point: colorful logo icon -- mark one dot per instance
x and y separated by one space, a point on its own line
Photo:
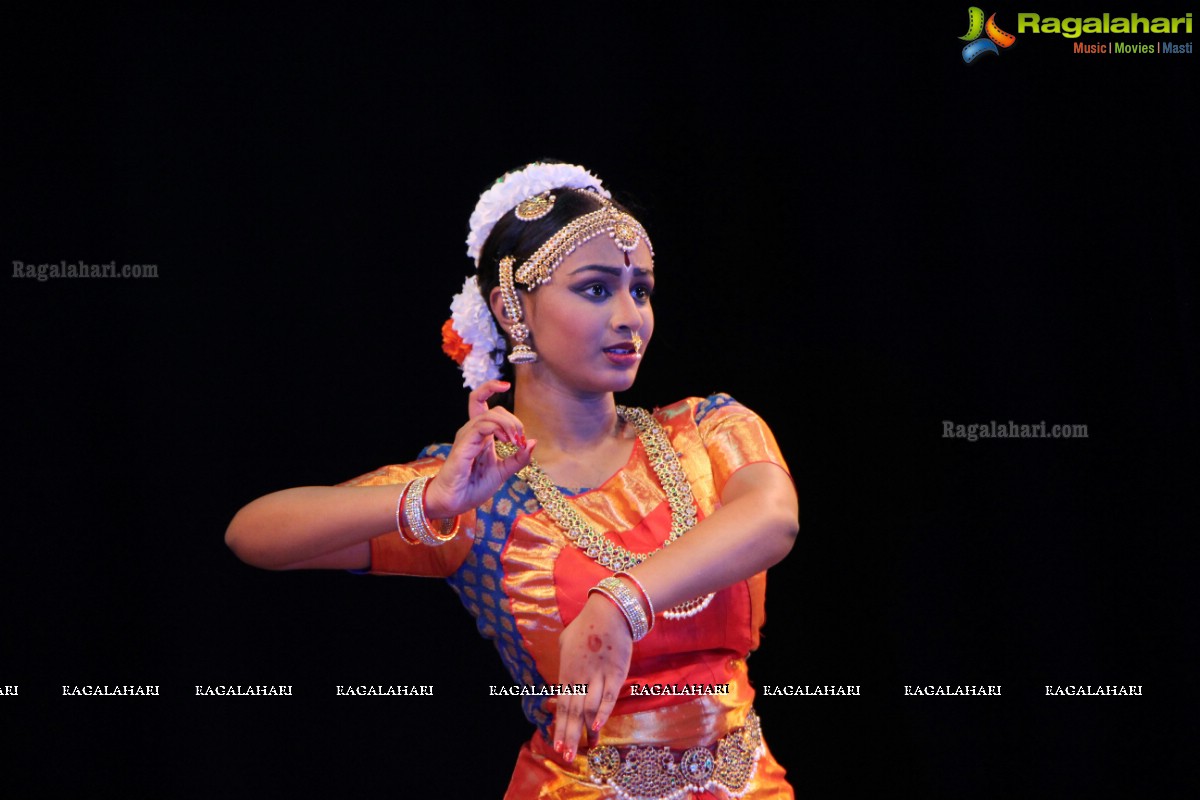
996 38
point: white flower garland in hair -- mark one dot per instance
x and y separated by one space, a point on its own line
472 321
523 184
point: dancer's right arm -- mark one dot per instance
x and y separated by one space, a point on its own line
330 527
313 527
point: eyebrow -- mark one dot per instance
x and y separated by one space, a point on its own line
616 272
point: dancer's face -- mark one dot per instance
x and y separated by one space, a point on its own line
585 323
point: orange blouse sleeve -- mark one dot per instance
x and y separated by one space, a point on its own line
391 555
734 437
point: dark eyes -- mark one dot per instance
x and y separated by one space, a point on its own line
599 291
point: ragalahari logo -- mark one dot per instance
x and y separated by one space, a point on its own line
996 38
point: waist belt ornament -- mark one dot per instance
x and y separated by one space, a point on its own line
653 773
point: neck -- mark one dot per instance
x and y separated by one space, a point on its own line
562 421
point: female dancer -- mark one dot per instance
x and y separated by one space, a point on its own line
597 546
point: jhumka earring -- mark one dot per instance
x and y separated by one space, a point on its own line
521 352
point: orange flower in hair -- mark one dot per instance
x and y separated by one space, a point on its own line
453 344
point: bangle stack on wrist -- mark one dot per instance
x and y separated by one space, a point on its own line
646 597
414 527
627 601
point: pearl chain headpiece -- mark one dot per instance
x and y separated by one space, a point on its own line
625 231
516 187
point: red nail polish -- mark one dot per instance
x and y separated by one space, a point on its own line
596 725
558 746
569 755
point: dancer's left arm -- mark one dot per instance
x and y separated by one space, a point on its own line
754 529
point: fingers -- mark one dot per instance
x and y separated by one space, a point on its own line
594 713
498 422
474 469
608 699
474 442
568 724
477 402
576 715
520 459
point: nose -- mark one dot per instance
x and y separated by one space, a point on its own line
627 314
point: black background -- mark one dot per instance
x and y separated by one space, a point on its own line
858 235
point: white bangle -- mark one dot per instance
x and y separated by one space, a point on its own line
645 596
627 602
404 537
416 524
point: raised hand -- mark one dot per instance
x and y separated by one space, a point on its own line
473 471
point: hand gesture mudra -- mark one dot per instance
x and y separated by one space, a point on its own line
473 471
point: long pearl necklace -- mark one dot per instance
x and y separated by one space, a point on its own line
670 474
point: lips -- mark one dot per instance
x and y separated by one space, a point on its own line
623 355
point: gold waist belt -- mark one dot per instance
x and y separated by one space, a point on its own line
654 773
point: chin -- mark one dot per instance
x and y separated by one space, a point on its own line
620 384
624 383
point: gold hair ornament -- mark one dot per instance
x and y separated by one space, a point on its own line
535 207
625 231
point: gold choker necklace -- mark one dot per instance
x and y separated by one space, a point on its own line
666 466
